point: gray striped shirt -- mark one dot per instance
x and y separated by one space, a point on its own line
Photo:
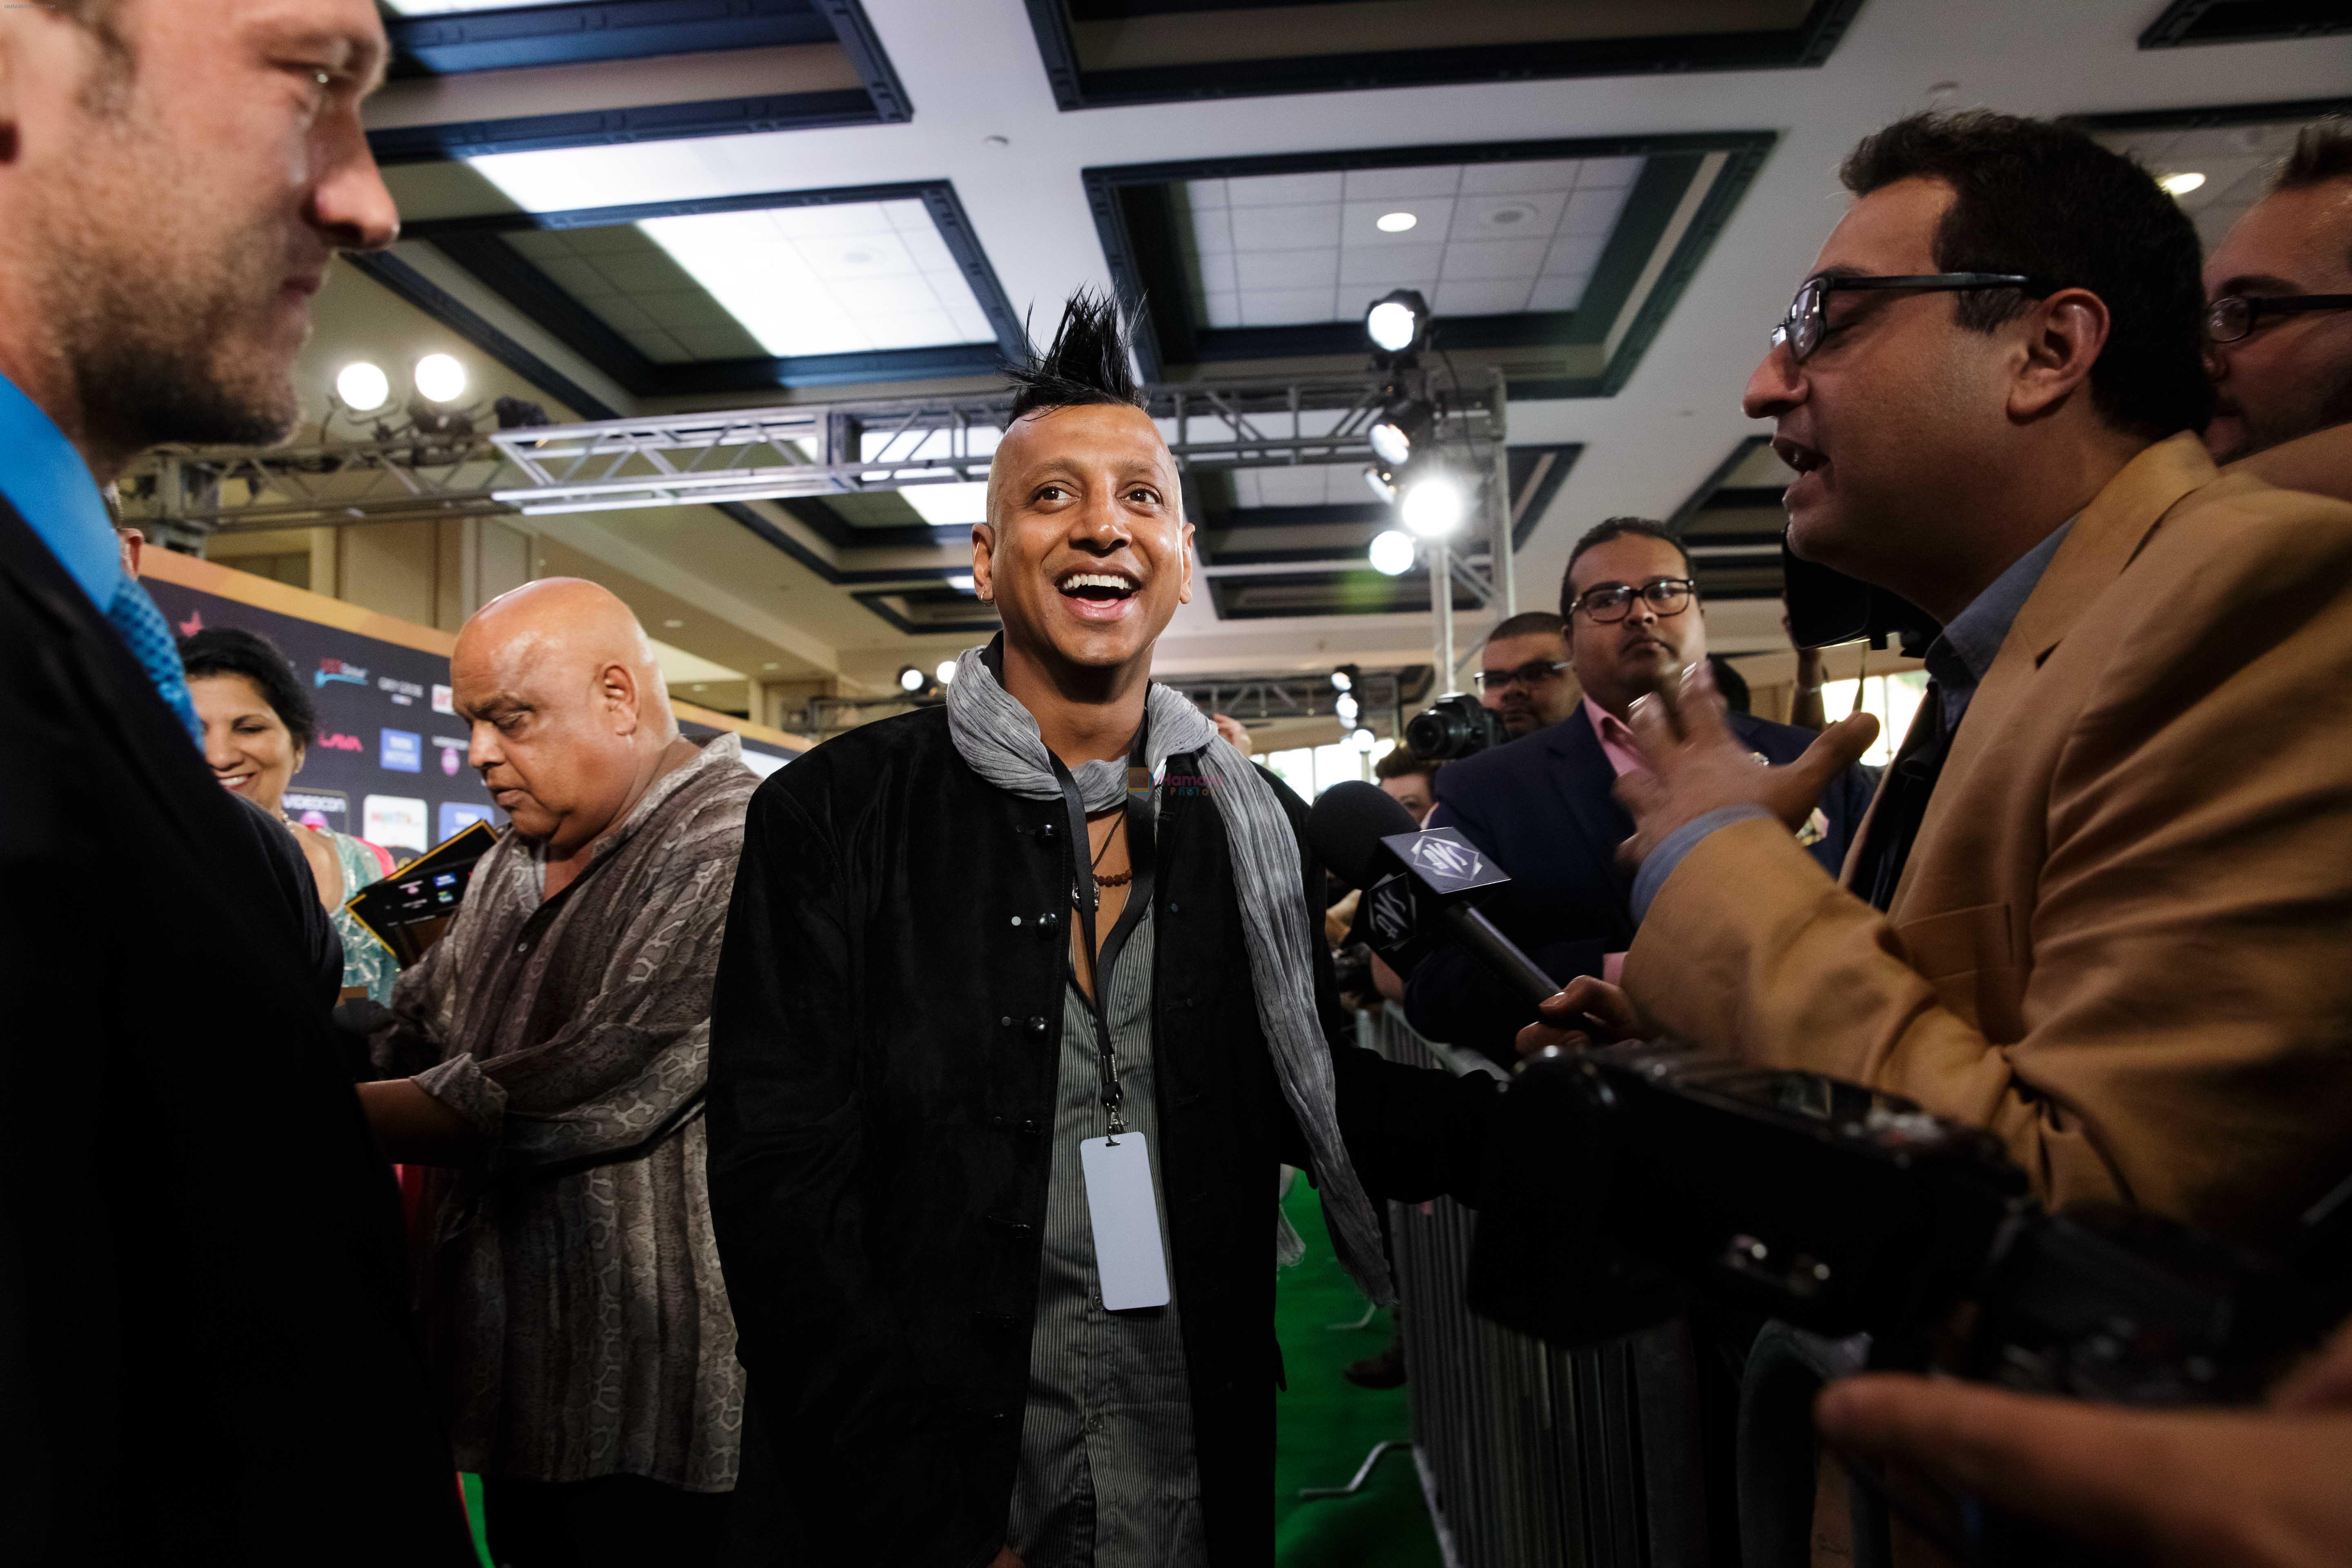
1108 1477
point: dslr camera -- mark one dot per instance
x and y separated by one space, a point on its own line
1453 728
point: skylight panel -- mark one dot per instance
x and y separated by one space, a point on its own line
828 278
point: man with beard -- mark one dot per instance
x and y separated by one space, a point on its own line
1523 677
2279 321
2096 910
1013 976
204 1325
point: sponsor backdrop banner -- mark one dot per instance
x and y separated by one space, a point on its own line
389 763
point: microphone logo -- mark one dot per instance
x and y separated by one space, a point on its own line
1446 862
1391 912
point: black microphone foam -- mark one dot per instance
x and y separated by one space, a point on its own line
1347 824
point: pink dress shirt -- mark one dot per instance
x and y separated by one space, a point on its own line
1618 745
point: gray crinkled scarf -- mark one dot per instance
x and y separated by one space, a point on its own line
999 739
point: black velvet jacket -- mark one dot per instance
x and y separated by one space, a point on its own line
884 1044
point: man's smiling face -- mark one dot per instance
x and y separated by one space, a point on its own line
1086 552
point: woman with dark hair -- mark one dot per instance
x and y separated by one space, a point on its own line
258 722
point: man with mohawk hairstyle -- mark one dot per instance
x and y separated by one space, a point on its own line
1002 970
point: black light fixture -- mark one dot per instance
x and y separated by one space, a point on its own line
1397 435
520 414
1398 324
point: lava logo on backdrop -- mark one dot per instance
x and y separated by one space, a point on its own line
395 821
335 740
445 700
453 756
404 693
335 670
403 751
457 816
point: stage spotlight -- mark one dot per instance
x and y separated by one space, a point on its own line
1398 430
520 414
1391 552
1382 483
1397 321
1346 707
1364 741
911 680
1344 678
440 379
362 386
946 671
1432 505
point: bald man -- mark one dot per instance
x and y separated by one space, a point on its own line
556 1042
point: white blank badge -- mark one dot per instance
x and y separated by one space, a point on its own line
1127 1256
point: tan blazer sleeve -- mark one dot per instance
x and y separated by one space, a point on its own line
2185 1034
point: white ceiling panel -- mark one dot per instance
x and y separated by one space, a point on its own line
839 277
1482 236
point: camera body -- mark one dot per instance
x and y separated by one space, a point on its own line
1628 1179
1453 728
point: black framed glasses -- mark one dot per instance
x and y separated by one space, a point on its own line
1535 672
1612 602
1800 331
2234 316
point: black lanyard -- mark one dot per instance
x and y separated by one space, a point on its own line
1089 897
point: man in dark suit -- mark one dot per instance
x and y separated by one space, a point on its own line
1543 805
205 1355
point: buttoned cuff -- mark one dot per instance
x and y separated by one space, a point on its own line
1678 844
459 1084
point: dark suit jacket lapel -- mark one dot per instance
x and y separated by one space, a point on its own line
1582 777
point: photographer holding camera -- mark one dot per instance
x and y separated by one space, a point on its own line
2099 906
1543 805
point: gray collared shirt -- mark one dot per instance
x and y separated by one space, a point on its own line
1957 660
1107 1477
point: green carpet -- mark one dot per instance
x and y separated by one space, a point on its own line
1324 1425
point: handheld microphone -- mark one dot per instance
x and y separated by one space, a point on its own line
1419 885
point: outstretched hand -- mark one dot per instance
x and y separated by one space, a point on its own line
1586 1012
1696 764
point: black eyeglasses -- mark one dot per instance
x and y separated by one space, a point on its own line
1612 602
1535 672
2234 316
1801 330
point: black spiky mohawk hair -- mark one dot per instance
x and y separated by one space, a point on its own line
1087 363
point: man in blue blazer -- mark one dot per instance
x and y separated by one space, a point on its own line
1542 805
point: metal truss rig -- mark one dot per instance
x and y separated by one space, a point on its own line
764 453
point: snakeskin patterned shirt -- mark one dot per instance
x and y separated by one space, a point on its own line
568 1281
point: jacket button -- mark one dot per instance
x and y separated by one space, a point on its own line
1036 1025
1171 906
1016 920
1047 834
1047 922
1005 1022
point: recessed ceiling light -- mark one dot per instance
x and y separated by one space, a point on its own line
1394 223
771 664
949 506
673 625
1509 216
2181 184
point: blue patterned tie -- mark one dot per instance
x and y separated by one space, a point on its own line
143 627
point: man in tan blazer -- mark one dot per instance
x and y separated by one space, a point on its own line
2118 931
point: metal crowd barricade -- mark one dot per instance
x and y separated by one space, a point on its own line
1531 1457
